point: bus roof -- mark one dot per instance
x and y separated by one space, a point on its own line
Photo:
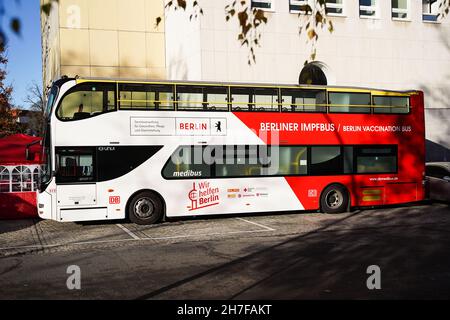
232 84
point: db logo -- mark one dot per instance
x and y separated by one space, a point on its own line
312 193
114 200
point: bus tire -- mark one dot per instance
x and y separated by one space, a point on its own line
146 208
334 199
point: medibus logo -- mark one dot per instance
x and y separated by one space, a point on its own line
203 195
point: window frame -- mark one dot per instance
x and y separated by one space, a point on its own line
205 103
157 104
342 160
374 106
282 104
65 151
331 5
251 105
399 11
25 185
77 88
370 105
294 6
357 148
343 155
375 8
3 170
271 3
434 16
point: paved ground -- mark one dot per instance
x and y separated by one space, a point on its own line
295 256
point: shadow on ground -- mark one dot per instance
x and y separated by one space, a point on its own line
410 246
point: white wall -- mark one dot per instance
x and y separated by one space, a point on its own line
360 52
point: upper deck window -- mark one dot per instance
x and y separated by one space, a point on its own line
208 98
87 100
349 102
146 96
296 100
254 99
387 104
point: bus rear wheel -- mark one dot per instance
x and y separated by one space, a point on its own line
145 208
334 199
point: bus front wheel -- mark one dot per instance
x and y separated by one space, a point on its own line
334 199
145 208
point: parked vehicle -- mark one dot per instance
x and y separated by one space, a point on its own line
438 181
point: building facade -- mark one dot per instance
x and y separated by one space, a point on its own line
391 44
103 38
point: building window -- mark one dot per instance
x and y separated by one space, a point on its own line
5 180
430 10
335 7
21 179
313 74
368 8
400 9
298 6
263 4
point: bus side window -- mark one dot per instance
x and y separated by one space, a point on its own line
392 105
265 99
216 98
187 162
75 165
377 159
146 96
87 100
299 100
326 160
190 98
346 102
241 99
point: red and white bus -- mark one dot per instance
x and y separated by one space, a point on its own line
119 149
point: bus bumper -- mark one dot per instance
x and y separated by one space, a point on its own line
44 204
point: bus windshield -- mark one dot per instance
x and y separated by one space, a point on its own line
47 165
51 100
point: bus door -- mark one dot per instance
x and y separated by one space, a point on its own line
76 188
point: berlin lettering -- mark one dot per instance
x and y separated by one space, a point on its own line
297 127
194 126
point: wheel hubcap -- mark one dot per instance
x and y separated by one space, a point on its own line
334 199
144 208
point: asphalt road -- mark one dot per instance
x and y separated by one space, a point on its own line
289 256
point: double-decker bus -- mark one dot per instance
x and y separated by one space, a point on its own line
119 149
